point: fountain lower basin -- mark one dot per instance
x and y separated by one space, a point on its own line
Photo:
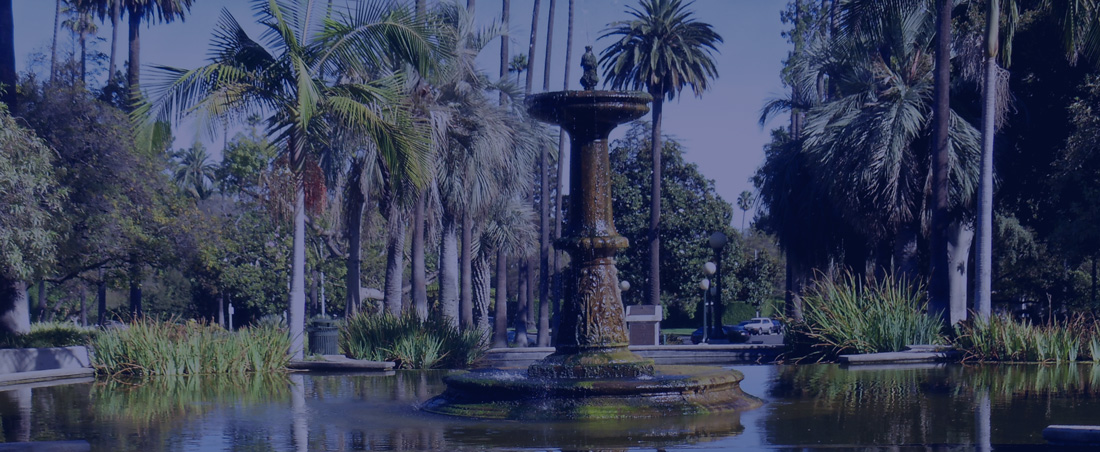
670 391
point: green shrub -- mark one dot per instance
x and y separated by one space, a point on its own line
847 315
48 334
410 343
148 347
1004 339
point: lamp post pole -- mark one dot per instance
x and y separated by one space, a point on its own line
705 285
717 241
709 269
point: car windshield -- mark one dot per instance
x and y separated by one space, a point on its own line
744 323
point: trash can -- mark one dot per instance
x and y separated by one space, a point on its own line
323 336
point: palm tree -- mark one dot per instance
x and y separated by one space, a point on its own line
138 11
661 50
105 10
563 141
744 202
870 137
194 172
290 81
53 44
81 24
7 54
1081 35
544 204
518 65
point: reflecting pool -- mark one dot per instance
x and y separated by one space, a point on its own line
806 407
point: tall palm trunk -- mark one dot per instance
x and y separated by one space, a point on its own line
939 291
961 236
500 324
395 259
482 276
522 305
500 311
655 202
353 297
448 271
563 151
42 307
544 204
15 315
529 263
53 46
135 287
983 260
297 306
133 72
116 13
7 54
466 294
83 57
101 298
419 268
83 305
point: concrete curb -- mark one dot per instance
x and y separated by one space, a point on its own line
341 363
714 354
30 365
1072 435
34 376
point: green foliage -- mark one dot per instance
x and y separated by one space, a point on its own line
692 212
848 315
148 347
1004 339
31 197
411 343
49 334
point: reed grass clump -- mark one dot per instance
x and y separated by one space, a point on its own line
850 315
410 342
1003 339
149 347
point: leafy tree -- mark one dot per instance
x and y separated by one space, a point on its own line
661 50
123 209
699 212
291 81
31 198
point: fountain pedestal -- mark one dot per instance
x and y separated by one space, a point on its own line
591 338
592 374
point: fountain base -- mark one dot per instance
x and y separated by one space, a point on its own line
669 391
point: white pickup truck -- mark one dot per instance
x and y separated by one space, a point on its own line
761 325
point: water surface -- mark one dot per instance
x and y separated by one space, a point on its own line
806 406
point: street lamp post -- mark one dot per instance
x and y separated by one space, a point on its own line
709 269
717 241
705 284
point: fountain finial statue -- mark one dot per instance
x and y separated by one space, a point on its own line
588 63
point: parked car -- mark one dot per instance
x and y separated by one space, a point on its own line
732 333
762 325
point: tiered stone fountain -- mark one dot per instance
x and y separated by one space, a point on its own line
592 374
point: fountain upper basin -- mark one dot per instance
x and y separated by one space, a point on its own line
569 108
